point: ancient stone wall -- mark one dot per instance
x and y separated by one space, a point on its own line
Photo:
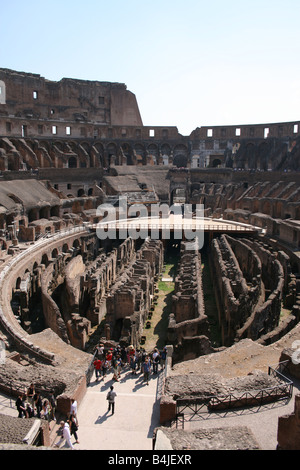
288 434
188 327
236 298
246 317
100 276
31 97
41 122
129 300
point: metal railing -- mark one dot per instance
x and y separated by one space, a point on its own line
192 407
133 224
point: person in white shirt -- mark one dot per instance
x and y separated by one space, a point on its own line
73 409
65 435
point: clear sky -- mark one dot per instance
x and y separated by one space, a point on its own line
190 63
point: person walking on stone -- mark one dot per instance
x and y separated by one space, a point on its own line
20 404
97 367
65 435
38 403
104 368
146 367
74 427
30 395
73 409
53 404
163 357
156 360
111 399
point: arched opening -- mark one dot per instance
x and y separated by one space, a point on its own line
72 162
180 161
54 211
33 215
44 213
18 283
216 163
45 260
80 192
65 248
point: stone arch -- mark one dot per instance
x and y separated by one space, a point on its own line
45 260
153 150
140 153
65 248
72 162
97 153
81 192
76 243
44 212
112 151
166 149
54 211
180 161
128 153
216 163
180 149
18 283
33 214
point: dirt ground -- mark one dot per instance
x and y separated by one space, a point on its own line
240 359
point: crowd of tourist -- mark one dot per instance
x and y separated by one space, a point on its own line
33 404
137 360
106 360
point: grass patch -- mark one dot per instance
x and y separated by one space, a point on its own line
165 286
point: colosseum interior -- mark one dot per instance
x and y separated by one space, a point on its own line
67 148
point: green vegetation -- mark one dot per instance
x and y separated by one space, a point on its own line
156 334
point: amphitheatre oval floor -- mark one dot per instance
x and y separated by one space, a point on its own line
137 407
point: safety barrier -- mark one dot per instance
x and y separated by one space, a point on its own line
197 406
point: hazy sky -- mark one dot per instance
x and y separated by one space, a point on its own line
190 63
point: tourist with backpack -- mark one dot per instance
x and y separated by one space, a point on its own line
111 399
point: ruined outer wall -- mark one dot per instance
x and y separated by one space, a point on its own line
30 96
